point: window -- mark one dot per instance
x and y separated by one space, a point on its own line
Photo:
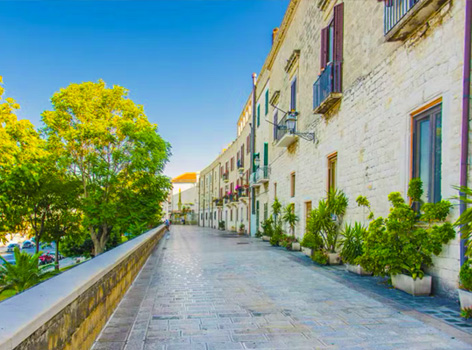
266 211
214 215
258 115
332 39
307 213
427 139
267 102
292 185
276 121
293 95
231 215
332 164
242 214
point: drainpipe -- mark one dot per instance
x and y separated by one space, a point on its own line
253 143
465 114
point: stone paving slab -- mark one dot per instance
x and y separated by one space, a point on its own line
201 289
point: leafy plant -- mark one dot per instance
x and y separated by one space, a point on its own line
221 225
290 217
320 257
275 239
268 227
466 312
352 242
276 210
465 275
24 274
325 220
362 201
401 243
312 241
464 222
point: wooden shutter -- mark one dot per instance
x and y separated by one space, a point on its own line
266 154
247 143
338 32
276 117
324 48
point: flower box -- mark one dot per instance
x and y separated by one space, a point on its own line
465 298
358 269
414 287
307 251
296 246
334 259
266 238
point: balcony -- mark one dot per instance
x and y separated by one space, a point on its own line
226 176
283 136
403 17
219 202
240 164
327 90
260 176
243 194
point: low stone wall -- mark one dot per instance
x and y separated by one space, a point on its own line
69 310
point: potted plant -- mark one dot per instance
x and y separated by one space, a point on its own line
325 222
290 218
464 222
242 229
221 225
309 243
403 244
352 248
267 229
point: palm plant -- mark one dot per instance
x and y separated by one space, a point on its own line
290 217
352 242
465 220
24 274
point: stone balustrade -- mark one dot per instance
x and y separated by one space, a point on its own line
68 311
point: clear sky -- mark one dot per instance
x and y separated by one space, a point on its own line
189 62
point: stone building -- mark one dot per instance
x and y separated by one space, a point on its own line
182 199
376 89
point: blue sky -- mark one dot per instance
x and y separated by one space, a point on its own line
189 62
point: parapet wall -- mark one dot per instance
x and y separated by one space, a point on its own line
69 311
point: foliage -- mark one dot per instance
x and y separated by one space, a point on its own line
415 190
312 241
286 241
268 227
221 225
105 141
78 245
466 312
465 276
464 222
320 257
403 244
290 217
325 220
352 242
259 234
275 239
24 274
276 210
362 201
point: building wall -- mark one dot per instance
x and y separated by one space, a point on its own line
384 83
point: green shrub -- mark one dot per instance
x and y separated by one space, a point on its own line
290 217
268 227
221 225
274 240
320 257
466 312
352 242
465 275
312 241
401 243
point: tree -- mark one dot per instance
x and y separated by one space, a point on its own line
22 156
290 217
107 143
24 274
63 217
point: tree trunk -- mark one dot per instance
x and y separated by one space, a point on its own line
37 242
56 263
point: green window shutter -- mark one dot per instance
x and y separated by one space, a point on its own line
266 154
258 115
267 102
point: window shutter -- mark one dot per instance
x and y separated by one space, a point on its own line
276 117
247 144
324 48
338 32
266 154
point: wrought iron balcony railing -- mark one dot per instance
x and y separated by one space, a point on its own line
282 128
394 11
327 90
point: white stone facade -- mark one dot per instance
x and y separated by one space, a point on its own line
370 129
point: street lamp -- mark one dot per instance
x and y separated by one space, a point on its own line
257 160
291 122
291 125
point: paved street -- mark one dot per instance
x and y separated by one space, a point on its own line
204 289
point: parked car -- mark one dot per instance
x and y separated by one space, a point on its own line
11 247
27 244
46 258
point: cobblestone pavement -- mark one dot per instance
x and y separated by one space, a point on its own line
204 289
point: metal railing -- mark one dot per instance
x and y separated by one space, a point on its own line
329 81
243 192
282 128
261 173
395 10
240 163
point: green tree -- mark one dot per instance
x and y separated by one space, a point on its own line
24 274
290 217
107 142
